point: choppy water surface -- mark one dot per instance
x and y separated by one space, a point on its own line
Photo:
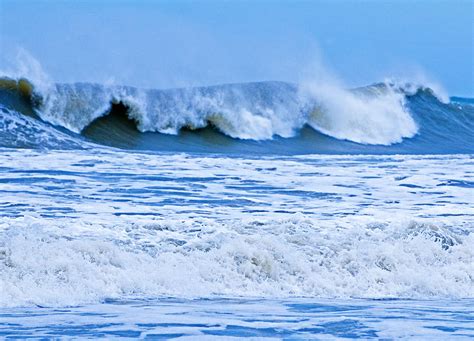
280 234
298 319
264 209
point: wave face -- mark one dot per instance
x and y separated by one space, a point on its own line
260 118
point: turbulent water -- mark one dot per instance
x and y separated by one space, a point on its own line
258 118
291 210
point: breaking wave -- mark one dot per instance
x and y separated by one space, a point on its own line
261 117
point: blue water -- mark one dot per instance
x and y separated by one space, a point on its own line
299 319
261 210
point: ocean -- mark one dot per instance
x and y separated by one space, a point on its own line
256 210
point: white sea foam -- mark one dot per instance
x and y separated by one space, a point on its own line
300 256
21 131
116 224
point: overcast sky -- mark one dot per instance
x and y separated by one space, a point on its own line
178 43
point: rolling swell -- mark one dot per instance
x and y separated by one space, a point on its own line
258 118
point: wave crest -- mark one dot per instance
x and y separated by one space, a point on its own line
256 111
372 115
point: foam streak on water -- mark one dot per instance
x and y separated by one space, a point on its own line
297 319
83 226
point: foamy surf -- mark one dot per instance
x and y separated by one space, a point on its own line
194 226
296 257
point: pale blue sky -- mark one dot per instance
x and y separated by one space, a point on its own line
176 43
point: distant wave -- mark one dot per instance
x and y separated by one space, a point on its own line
261 116
256 111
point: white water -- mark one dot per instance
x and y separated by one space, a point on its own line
82 226
196 258
374 117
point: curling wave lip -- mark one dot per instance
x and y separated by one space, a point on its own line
258 118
